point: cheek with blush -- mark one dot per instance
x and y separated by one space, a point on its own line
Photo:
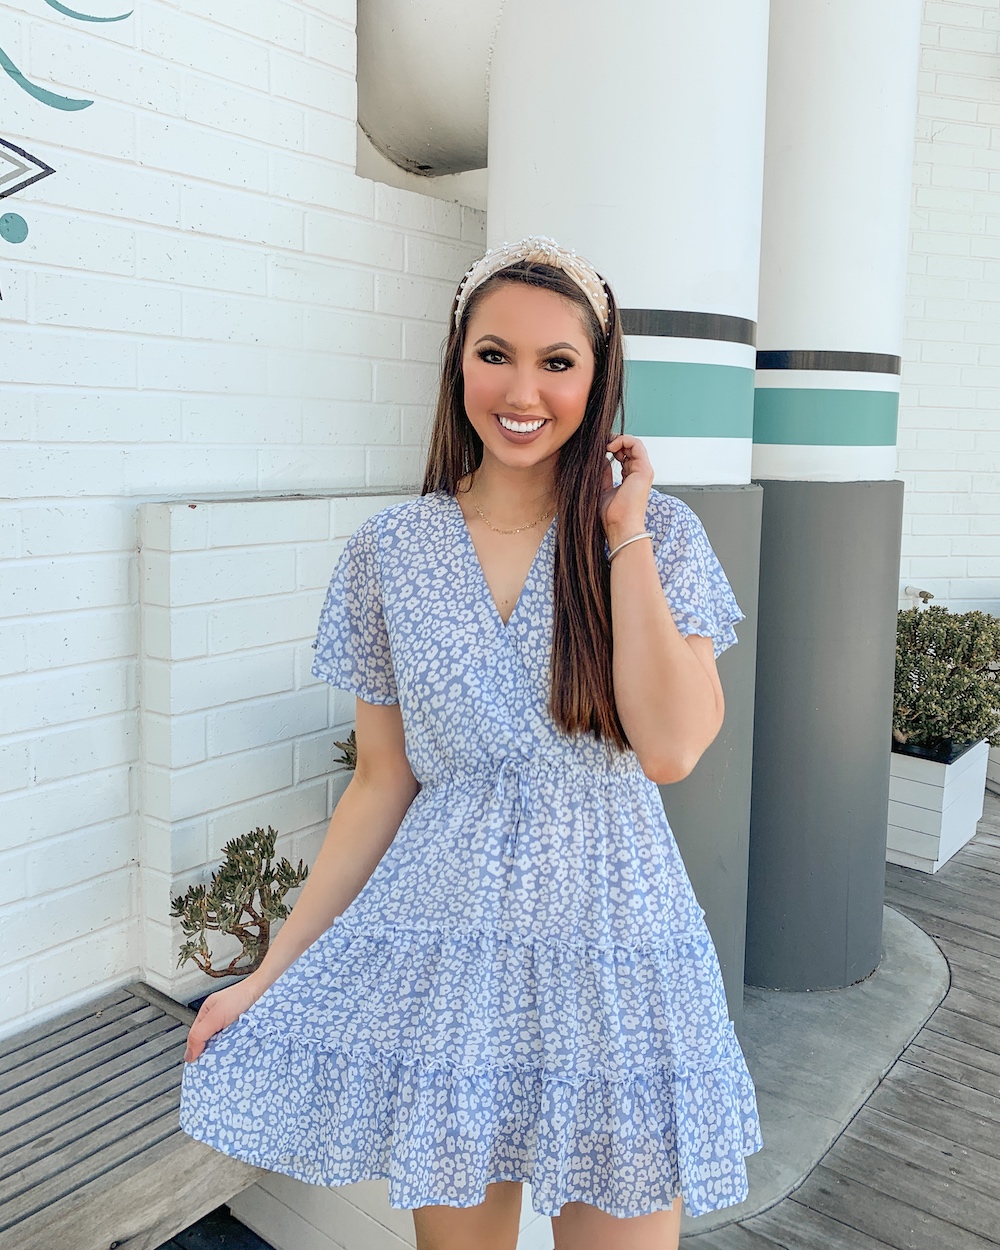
566 396
577 392
483 392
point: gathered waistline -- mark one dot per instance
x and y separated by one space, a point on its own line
543 763
508 780
494 770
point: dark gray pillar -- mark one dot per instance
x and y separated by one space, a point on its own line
829 575
709 811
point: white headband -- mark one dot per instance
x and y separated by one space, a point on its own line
542 249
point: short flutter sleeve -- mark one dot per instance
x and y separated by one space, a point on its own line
352 642
699 594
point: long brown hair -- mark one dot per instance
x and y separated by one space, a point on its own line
582 695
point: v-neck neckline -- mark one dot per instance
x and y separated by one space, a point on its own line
484 584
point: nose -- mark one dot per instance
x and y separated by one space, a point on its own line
522 390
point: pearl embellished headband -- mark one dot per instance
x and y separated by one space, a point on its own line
542 249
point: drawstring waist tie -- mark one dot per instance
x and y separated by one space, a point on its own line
511 778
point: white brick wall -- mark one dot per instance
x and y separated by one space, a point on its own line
235 731
209 302
949 437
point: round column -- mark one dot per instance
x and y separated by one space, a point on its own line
841 103
634 133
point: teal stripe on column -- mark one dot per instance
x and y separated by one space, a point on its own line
669 399
827 418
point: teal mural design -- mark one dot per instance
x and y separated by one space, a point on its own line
13 228
66 103
86 17
19 169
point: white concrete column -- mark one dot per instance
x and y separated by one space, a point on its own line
634 133
841 104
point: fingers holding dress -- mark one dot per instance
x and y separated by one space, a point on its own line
217 1012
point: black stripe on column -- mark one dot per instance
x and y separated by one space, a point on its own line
662 323
852 362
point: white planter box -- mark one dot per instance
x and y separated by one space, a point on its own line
934 808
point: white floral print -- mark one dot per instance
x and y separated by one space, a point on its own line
525 988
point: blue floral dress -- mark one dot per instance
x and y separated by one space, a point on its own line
525 988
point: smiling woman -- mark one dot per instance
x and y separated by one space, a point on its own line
512 383
520 389
498 970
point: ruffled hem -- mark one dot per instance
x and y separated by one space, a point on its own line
479 1000
697 589
575 943
719 629
330 1117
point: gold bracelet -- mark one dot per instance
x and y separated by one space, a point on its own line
634 539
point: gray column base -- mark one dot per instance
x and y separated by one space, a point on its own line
829 574
709 811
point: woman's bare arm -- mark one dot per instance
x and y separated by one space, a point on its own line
667 688
364 822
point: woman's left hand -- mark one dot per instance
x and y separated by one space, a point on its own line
623 508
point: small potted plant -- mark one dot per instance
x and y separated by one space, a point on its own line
946 713
243 899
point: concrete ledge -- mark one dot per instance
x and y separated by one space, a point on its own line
815 1056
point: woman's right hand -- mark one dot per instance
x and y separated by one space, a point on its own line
217 1011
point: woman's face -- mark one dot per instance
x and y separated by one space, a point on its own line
527 364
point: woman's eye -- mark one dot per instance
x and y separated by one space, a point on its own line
491 356
560 363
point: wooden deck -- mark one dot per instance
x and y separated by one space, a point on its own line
918 1168
91 1151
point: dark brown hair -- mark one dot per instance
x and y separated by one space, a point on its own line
582 695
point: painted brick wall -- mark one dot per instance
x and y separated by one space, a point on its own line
236 732
949 439
209 301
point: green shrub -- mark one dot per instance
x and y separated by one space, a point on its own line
946 677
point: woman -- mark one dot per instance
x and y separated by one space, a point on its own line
497 970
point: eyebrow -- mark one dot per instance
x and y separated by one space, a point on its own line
495 338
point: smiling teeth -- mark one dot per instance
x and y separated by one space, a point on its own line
520 427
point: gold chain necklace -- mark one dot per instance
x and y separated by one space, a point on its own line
493 527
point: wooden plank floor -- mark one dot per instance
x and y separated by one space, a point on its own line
91 1149
918 1168
81 1094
